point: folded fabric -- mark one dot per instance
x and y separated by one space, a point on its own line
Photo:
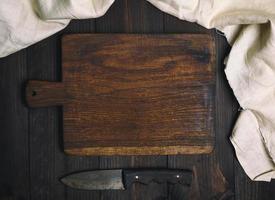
25 22
250 67
252 148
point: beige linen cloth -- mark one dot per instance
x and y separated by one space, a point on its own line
250 67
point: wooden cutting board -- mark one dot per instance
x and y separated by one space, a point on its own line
130 94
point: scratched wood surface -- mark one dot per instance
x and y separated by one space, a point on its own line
133 94
32 159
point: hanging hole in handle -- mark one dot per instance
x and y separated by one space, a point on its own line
34 93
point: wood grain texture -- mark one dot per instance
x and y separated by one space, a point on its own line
44 124
68 164
31 156
14 151
205 166
226 113
47 159
133 94
137 17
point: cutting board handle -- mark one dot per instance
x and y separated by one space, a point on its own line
45 93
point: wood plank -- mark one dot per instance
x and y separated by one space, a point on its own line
226 113
175 25
137 12
14 150
44 126
205 165
246 189
114 21
77 163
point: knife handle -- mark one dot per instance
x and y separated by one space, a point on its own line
183 177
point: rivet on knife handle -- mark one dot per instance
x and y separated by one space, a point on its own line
172 176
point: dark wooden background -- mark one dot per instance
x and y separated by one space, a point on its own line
31 156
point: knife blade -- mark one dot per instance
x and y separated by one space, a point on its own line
120 179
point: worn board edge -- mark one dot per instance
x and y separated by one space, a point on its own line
150 150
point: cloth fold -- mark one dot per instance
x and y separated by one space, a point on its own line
251 151
248 26
25 22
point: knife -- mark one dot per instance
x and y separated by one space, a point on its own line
120 179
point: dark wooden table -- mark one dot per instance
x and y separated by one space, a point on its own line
31 153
